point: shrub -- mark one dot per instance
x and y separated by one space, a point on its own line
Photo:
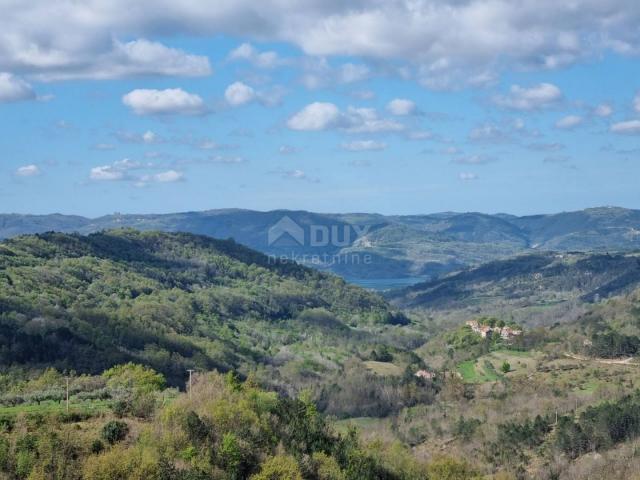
280 467
114 431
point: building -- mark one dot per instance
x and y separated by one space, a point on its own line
505 332
426 374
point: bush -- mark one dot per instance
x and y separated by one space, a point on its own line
114 431
280 467
97 446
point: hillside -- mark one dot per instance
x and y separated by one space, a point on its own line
532 288
371 246
176 301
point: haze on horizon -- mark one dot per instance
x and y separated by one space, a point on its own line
320 106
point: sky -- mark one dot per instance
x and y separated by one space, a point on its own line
396 107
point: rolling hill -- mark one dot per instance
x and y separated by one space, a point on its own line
176 301
541 287
376 247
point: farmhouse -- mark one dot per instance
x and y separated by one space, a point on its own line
426 374
483 329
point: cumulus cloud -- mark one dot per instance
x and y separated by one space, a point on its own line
249 53
106 173
67 36
533 98
569 122
165 177
323 116
401 106
135 58
603 110
238 94
316 116
14 89
364 145
163 102
28 171
133 171
630 127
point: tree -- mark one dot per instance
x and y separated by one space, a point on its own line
114 431
134 377
280 467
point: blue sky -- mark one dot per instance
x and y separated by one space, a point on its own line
351 111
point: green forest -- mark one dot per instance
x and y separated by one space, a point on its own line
131 355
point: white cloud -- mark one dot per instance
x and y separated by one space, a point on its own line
297 174
167 177
630 127
364 145
137 58
106 173
163 102
569 122
238 94
315 116
28 171
14 89
324 116
537 97
149 137
448 41
467 176
366 120
249 53
124 170
400 106
603 110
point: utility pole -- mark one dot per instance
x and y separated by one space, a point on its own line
190 370
67 378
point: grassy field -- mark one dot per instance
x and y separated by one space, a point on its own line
476 371
384 369
56 407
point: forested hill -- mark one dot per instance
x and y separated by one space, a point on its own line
532 289
398 246
170 300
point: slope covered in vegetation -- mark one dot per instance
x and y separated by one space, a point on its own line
173 301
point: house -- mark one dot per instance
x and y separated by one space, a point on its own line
505 332
426 374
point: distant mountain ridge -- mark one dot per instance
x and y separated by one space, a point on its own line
395 246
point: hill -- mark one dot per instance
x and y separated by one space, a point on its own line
531 288
371 246
176 301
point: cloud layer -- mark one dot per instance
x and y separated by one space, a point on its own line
445 41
